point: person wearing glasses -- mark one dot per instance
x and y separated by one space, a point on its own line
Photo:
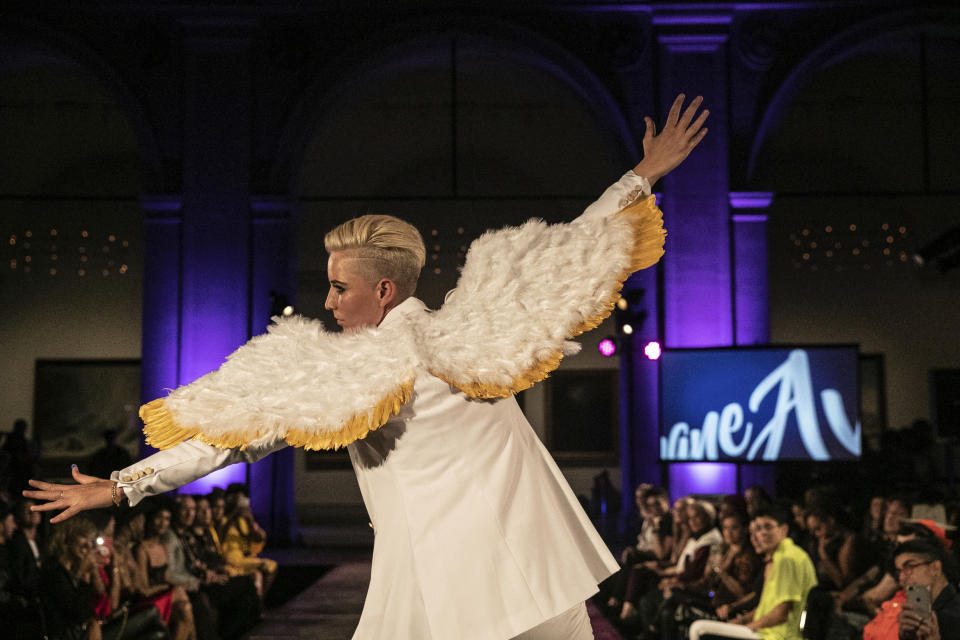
921 562
788 578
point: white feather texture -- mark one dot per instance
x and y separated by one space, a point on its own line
523 293
297 378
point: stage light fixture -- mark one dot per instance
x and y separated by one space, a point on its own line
944 251
627 329
288 310
607 347
652 350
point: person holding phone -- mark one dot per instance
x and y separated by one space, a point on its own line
931 610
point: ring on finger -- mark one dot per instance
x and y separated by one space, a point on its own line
61 496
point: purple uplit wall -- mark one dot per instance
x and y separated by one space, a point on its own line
714 269
702 477
697 267
215 232
222 478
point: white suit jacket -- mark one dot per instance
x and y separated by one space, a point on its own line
478 535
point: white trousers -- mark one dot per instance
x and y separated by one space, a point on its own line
572 624
716 628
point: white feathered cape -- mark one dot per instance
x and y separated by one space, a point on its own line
523 292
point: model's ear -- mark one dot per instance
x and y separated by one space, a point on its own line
386 291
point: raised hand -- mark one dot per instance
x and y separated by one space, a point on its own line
663 152
71 499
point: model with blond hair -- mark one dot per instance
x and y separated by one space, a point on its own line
478 535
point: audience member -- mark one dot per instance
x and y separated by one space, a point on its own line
25 550
22 455
243 539
789 577
835 550
70 582
730 575
233 597
8 602
654 540
919 562
757 498
649 586
109 457
154 561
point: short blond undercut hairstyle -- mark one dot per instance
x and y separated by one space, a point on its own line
384 247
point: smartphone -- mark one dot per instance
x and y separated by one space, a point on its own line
918 597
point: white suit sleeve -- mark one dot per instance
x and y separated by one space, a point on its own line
183 463
620 195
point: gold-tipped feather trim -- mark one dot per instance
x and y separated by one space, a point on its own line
357 427
486 391
163 432
648 237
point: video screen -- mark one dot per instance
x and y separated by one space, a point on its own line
759 404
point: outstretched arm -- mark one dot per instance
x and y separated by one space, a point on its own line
163 471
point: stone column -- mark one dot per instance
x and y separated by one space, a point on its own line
698 281
273 276
216 252
160 359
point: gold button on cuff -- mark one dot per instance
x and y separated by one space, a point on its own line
147 471
127 479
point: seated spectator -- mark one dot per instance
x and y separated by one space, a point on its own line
134 585
243 540
857 609
233 597
756 498
154 563
647 586
730 576
654 541
919 562
788 579
872 529
8 602
26 558
69 582
118 616
877 583
681 528
109 457
835 550
218 508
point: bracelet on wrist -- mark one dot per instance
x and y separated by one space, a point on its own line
116 494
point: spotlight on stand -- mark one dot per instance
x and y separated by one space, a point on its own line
652 350
630 314
944 251
607 347
279 305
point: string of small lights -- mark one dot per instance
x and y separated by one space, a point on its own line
837 247
58 253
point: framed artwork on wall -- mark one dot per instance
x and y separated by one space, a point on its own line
76 402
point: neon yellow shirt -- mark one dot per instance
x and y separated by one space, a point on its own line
790 579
